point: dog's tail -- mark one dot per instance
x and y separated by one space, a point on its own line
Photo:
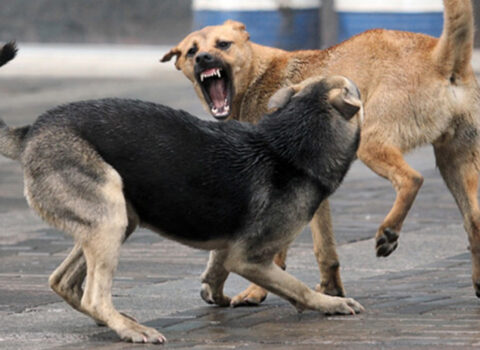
453 51
12 140
7 52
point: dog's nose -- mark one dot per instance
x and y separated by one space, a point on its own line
204 57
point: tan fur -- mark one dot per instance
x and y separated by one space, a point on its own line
416 90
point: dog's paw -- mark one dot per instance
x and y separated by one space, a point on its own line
335 291
329 289
141 334
210 298
345 306
387 242
252 296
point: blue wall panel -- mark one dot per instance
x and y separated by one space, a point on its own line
351 23
287 29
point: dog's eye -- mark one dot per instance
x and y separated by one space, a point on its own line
193 50
223 45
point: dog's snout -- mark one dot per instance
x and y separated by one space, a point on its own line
204 57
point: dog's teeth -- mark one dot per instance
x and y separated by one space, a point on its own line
211 73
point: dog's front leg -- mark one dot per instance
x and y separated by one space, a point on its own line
388 162
278 281
213 279
325 252
254 294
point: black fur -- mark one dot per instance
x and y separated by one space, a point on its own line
8 52
200 180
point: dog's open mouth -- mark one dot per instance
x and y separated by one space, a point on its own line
217 90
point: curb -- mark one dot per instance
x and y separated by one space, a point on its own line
100 61
77 61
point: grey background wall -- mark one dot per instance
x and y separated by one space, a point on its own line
119 21
95 21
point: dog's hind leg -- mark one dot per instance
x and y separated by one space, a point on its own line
101 245
458 160
213 279
388 162
67 280
325 252
274 279
74 190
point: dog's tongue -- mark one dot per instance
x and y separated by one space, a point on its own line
218 93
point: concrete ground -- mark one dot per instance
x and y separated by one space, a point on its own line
420 297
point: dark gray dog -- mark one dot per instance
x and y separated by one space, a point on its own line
98 169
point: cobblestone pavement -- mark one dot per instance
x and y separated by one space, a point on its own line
420 297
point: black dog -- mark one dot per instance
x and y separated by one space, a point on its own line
98 169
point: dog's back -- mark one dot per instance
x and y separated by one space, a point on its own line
167 160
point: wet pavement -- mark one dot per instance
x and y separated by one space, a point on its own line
419 298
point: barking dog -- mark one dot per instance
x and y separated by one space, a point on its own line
98 169
416 90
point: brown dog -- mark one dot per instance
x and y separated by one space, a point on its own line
416 90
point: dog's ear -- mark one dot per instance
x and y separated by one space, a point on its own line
235 24
345 101
281 97
168 56
238 26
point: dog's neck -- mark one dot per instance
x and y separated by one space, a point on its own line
292 134
270 70
259 63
